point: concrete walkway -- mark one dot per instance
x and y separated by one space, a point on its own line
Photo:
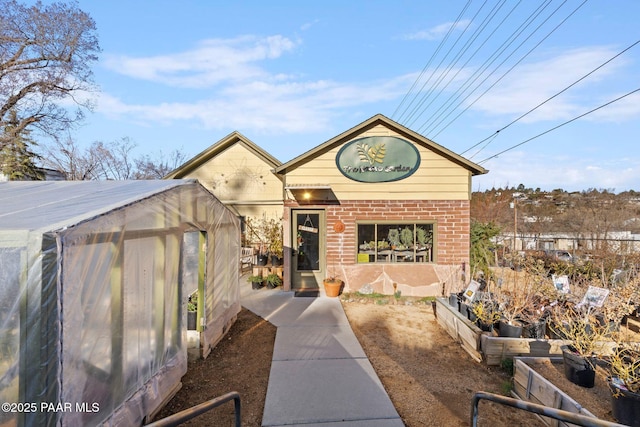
320 376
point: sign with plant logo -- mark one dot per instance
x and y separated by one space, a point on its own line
378 159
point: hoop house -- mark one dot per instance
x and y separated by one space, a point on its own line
94 281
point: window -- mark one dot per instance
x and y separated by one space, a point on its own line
395 242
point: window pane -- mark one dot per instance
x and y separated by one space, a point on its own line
395 242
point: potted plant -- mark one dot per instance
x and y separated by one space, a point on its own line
624 383
266 235
511 303
256 281
332 285
274 237
585 336
192 312
487 313
273 281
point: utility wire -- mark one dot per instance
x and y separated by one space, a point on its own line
508 71
440 46
437 85
562 124
425 128
442 60
504 75
556 95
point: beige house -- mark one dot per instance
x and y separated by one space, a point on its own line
238 173
378 206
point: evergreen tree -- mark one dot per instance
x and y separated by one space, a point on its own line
17 160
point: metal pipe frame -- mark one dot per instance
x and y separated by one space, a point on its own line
558 414
188 414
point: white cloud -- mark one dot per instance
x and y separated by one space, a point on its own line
267 106
210 63
437 32
551 172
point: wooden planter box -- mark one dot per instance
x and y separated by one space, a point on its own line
495 349
532 387
459 328
484 346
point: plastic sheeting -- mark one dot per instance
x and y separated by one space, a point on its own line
93 290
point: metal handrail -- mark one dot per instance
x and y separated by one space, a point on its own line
187 414
558 414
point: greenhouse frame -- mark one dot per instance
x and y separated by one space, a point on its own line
95 278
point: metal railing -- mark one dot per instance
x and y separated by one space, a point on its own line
187 414
558 414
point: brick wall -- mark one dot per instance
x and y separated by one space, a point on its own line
451 219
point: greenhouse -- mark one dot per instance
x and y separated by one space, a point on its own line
95 278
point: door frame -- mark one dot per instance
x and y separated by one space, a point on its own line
301 279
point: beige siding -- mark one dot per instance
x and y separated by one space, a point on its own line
437 178
243 181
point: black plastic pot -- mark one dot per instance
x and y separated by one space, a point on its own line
276 261
534 330
464 309
192 320
625 406
453 300
577 368
261 259
484 327
256 285
509 331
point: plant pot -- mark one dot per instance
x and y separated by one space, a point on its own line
625 405
192 320
464 309
261 260
332 287
256 285
484 327
509 331
275 260
534 330
577 368
453 300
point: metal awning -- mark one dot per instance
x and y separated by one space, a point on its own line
313 194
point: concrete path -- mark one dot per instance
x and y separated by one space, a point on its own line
320 376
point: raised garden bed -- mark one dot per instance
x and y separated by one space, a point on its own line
542 381
459 328
487 346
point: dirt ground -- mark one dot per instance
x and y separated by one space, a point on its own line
429 378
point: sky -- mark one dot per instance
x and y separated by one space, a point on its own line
466 74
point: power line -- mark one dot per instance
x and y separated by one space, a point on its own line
443 74
480 71
442 43
560 125
507 72
441 61
556 95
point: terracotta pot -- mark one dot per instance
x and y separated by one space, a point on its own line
332 287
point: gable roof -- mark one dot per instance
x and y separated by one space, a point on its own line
53 205
376 120
211 152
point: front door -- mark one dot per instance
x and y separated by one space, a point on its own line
308 245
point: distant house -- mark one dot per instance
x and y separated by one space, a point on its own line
49 175
94 281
